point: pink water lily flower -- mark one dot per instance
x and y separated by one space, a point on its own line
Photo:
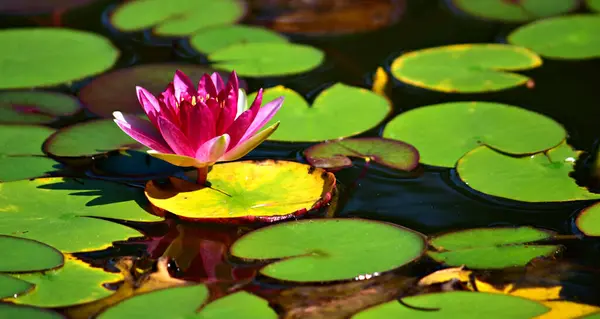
199 127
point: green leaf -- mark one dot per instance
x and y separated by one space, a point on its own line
16 311
35 107
55 217
455 128
175 17
593 5
15 168
523 10
238 304
494 257
485 237
531 178
211 40
67 55
565 37
11 286
588 221
25 255
329 249
267 59
465 68
335 154
247 191
339 111
457 304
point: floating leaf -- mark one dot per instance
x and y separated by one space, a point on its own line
455 128
35 107
593 4
515 11
490 248
542 177
238 304
588 220
564 37
26 255
211 40
247 191
465 68
339 111
15 168
457 304
175 17
133 165
67 55
330 249
267 59
11 286
17 311
391 153
55 217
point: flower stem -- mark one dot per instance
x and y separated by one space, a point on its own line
202 174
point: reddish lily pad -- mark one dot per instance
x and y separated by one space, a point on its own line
588 221
515 11
391 153
27 7
36 107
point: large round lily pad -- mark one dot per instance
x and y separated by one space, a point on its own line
515 11
56 216
466 68
26 255
542 177
246 191
330 249
35 107
267 59
455 128
593 5
67 55
13 287
17 311
457 304
339 111
564 37
213 39
491 248
175 17
588 220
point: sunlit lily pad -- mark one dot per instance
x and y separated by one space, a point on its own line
67 55
211 40
457 304
175 17
133 165
35 107
247 191
336 154
330 249
466 68
455 128
533 178
515 11
491 248
55 217
267 59
25 255
11 286
564 37
339 111
588 220
17 311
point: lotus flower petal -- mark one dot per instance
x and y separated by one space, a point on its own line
265 114
240 126
242 104
228 110
149 103
183 85
213 149
178 160
199 124
249 144
206 87
178 142
141 131
217 81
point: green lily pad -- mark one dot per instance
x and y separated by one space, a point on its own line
267 59
457 304
133 165
17 311
67 55
175 17
339 111
11 286
211 40
247 191
238 304
330 249
455 128
532 178
75 283
491 248
564 37
593 4
466 68
595 315
89 139
588 221
35 107
56 216
16 168
26 255
391 153
519 11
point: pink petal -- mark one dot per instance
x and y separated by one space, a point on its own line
265 114
141 131
228 111
218 81
247 145
258 99
178 160
213 149
214 107
183 85
149 103
206 87
199 124
240 126
170 109
178 142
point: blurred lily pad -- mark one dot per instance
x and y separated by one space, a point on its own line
457 304
339 111
455 128
210 40
18 311
26 255
515 11
593 4
267 59
246 191
491 248
67 55
329 249
541 177
335 154
56 216
588 220
12 287
175 17
466 68
564 37
35 107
